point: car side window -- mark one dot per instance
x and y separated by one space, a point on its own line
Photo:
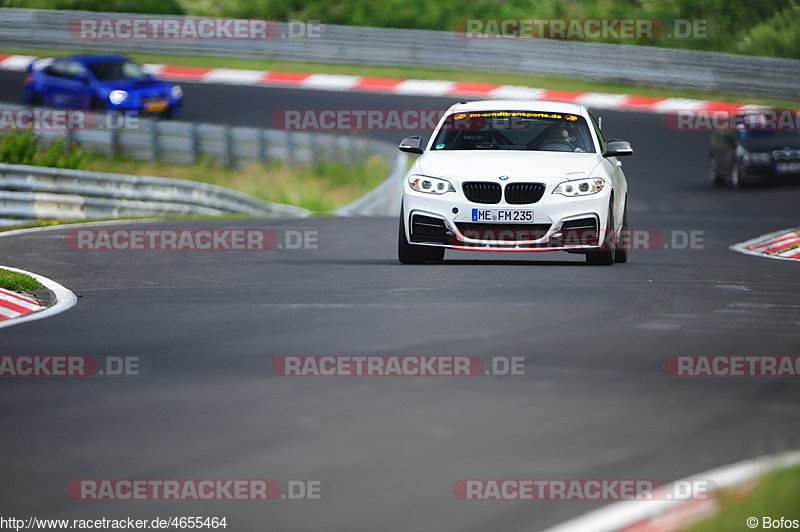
599 134
58 70
75 69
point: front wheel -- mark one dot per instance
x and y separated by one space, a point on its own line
621 251
713 172
737 176
413 254
605 255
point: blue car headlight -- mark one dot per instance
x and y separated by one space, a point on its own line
117 97
176 91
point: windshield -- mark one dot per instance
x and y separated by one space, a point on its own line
770 138
118 70
514 130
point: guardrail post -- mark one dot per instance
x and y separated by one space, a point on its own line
288 150
153 140
194 142
314 149
114 142
262 146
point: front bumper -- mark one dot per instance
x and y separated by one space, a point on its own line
559 223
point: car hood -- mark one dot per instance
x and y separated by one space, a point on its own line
465 165
143 85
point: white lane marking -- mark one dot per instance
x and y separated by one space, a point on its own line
330 82
678 104
424 87
601 100
17 62
231 76
516 92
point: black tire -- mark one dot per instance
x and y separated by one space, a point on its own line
713 172
738 176
414 254
621 250
36 100
605 255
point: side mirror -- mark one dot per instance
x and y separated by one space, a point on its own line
410 145
618 148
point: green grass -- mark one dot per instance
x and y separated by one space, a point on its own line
755 27
542 82
18 282
322 187
775 495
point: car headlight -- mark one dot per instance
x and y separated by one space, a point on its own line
116 97
177 91
430 185
756 158
580 187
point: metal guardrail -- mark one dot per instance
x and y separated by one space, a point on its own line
34 192
642 65
151 139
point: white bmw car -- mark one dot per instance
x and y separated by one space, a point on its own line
515 176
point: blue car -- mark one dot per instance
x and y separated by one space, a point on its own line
103 83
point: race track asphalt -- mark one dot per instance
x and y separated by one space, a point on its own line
595 401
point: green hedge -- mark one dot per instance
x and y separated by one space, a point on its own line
755 27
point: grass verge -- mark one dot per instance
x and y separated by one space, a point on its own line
542 82
775 495
18 282
321 188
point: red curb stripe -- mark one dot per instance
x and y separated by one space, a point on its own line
182 72
773 241
16 308
17 296
721 106
377 84
783 247
472 89
3 57
561 96
283 78
644 103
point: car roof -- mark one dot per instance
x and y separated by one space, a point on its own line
519 105
86 59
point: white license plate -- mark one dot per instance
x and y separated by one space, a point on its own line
787 168
502 215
